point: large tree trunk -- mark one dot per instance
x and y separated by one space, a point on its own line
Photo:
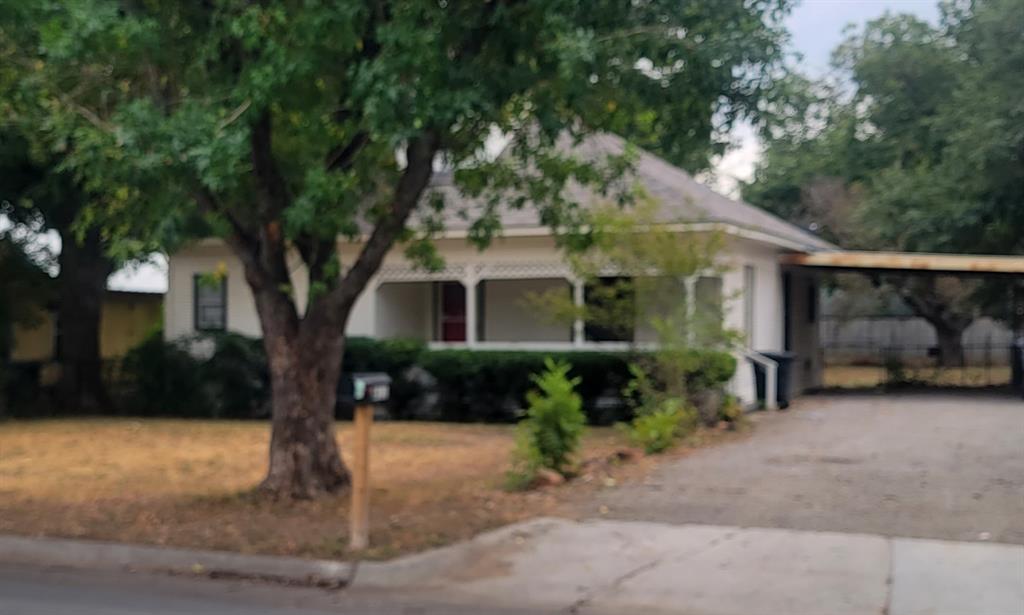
945 304
304 352
84 269
305 366
951 348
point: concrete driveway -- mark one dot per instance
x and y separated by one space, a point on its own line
844 505
926 466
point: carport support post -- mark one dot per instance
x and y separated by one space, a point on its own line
359 512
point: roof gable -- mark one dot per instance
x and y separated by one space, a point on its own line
681 197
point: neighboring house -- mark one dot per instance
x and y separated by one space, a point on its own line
126 319
477 300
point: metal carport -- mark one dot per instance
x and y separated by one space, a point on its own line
1010 268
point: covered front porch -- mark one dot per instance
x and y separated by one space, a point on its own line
487 306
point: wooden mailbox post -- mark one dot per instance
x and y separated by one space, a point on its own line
368 390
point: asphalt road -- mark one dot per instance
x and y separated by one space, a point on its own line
39 591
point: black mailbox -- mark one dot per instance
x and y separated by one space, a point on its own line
371 387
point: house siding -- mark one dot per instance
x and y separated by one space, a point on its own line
508 318
505 317
125 321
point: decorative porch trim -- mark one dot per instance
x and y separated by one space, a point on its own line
526 270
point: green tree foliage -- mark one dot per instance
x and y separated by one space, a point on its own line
549 435
656 270
637 268
917 148
278 123
655 430
37 195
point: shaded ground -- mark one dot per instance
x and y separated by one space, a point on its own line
187 483
869 376
931 466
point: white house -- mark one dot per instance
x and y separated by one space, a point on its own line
477 300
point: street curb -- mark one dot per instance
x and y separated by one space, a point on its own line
96 555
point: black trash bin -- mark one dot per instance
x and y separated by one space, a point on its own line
1017 365
782 377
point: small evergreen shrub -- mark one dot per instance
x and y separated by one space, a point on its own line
656 430
661 417
549 435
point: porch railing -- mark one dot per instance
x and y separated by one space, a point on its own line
546 346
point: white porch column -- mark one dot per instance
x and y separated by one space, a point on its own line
578 332
469 284
690 284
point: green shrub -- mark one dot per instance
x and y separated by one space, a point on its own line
236 377
549 435
713 369
21 394
657 430
490 386
164 379
661 416
732 412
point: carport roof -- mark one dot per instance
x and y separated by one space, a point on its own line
909 262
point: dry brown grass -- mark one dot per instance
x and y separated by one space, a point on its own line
867 376
189 483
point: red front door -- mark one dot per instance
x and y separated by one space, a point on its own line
453 312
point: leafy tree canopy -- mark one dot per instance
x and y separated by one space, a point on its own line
282 125
919 145
293 111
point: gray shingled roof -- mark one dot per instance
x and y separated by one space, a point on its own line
682 198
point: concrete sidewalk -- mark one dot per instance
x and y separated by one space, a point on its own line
636 567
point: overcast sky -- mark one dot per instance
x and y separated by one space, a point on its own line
816 27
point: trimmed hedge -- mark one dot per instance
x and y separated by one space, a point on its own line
490 386
166 379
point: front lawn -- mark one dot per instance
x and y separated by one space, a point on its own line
189 483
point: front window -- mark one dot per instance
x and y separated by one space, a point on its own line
210 302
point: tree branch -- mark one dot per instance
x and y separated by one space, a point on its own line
271 188
420 155
240 240
341 157
316 254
